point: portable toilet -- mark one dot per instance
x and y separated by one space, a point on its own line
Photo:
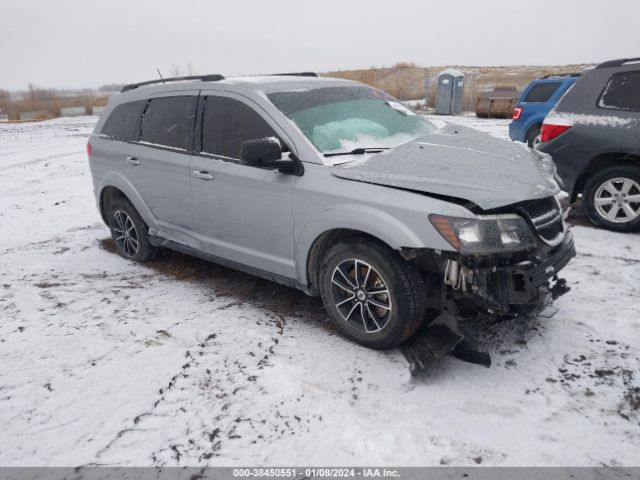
450 92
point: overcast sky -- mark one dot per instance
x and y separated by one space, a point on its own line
74 43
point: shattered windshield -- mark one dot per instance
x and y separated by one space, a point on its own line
341 120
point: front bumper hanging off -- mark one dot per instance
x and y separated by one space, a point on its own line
493 287
512 288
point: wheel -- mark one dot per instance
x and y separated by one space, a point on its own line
611 198
533 137
371 294
129 232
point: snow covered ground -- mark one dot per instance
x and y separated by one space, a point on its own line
180 362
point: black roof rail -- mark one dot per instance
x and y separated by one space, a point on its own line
571 75
294 74
214 77
618 63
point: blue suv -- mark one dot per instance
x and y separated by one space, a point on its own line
534 104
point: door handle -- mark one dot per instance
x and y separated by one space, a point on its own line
202 175
132 160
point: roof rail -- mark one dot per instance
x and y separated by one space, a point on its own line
618 63
570 75
294 74
204 78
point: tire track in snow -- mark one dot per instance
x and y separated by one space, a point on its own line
39 160
208 408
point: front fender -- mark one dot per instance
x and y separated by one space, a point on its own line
379 224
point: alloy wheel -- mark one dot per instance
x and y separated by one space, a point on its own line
361 295
618 200
125 234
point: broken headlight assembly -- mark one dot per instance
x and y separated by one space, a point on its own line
485 235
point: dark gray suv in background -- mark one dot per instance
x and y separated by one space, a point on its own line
593 134
337 189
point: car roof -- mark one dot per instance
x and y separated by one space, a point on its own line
261 84
278 83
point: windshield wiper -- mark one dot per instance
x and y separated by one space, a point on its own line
357 151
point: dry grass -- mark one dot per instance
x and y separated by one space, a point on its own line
404 80
45 103
407 81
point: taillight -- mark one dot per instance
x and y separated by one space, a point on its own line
517 112
551 129
88 149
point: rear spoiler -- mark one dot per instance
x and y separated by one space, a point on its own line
568 75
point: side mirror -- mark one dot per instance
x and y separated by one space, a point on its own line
266 153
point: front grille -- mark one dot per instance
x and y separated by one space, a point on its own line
545 216
552 232
538 208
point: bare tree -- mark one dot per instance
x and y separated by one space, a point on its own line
177 71
5 99
37 94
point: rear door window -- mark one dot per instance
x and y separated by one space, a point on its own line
227 123
124 122
622 92
169 122
541 92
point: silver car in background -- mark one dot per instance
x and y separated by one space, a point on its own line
337 189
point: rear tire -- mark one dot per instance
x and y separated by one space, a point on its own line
606 210
382 304
533 137
129 232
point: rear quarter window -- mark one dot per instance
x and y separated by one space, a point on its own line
169 122
541 92
124 122
622 92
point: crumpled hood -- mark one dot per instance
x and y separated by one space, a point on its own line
461 162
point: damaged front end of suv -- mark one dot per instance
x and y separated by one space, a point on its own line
505 265
506 254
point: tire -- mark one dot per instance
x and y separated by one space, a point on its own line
390 318
533 137
624 181
129 232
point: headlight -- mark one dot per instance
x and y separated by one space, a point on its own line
478 236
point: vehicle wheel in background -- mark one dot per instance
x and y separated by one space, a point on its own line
533 137
371 294
611 198
129 232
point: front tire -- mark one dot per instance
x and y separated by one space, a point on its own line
129 232
372 295
611 198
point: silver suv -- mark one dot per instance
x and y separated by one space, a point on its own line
337 189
